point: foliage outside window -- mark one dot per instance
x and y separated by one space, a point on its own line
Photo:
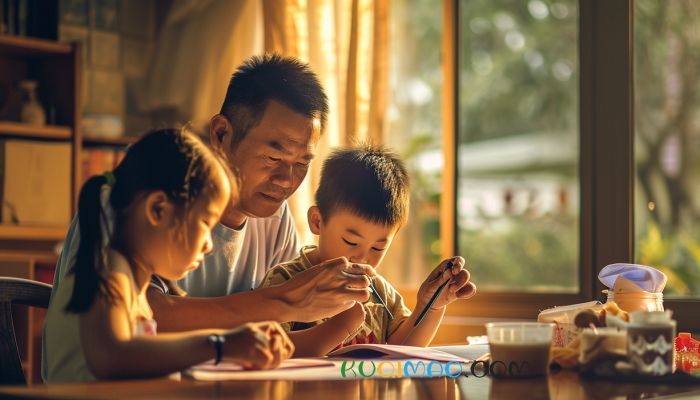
667 140
518 186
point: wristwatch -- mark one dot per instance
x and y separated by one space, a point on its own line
218 342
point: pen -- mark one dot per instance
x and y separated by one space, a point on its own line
435 296
379 298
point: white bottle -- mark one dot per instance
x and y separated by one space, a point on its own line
32 111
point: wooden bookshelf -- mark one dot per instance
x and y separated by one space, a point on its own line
18 129
18 232
25 46
29 251
106 141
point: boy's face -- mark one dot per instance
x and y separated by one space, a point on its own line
346 234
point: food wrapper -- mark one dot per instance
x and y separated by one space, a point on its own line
565 331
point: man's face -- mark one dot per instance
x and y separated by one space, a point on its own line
273 158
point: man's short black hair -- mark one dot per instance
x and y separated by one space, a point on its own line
370 182
271 77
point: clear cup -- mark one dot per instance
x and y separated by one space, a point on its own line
519 349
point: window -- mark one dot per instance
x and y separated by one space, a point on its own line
518 187
573 127
667 141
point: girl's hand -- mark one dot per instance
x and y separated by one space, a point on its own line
458 288
258 345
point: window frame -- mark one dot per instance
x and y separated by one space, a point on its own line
606 163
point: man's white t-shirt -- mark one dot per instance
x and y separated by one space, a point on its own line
238 262
242 257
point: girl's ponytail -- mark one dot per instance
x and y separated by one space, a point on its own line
89 261
169 160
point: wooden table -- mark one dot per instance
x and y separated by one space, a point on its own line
562 385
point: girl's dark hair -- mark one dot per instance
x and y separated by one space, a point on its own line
170 160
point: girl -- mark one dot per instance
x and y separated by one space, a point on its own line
152 215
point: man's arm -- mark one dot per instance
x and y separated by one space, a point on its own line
317 293
176 313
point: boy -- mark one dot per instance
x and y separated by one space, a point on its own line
361 203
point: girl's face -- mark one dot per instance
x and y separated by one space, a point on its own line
189 238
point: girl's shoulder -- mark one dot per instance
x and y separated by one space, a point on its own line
120 279
118 276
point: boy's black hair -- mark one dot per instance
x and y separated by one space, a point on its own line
271 77
370 182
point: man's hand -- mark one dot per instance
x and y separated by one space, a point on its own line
459 287
327 289
258 345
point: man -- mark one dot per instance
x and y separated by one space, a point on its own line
268 128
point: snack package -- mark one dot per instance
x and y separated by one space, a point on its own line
569 355
602 344
687 353
562 317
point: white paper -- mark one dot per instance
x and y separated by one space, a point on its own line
294 368
316 369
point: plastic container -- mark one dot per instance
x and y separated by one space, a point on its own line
519 349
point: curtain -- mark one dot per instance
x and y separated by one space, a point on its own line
346 44
199 46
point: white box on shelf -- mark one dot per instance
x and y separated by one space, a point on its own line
36 182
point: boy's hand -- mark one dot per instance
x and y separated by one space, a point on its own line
459 287
258 345
352 318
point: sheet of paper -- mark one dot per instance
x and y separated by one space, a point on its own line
286 364
390 369
292 369
315 369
